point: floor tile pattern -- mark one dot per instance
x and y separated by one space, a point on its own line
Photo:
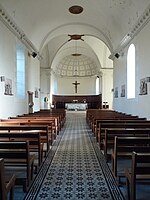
75 171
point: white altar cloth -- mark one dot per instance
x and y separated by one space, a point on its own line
76 106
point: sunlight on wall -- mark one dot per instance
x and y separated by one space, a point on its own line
97 85
20 72
131 72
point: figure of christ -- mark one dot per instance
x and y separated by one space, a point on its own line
76 85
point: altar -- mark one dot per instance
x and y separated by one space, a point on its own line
76 106
82 102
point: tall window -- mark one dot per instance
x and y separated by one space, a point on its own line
97 85
20 73
131 72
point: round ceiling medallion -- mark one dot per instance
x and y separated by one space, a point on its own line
75 9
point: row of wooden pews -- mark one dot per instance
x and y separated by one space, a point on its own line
7 184
123 139
25 141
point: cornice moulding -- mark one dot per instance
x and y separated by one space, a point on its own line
13 27
137 27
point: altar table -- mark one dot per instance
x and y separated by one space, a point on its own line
76 106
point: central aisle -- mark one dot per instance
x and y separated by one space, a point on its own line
75 171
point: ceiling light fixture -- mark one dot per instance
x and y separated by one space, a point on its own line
76 54
76 9
75 37
76 73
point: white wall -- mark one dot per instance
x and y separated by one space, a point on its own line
87 86
45 87
10 106
107 83
33 80
52 84
140 105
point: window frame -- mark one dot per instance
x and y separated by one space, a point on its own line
131 69
21 50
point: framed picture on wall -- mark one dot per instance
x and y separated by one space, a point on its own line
143 87
122 91
116 92
8 87
36 94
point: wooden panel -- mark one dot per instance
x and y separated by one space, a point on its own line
93 101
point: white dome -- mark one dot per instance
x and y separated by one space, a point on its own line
79 65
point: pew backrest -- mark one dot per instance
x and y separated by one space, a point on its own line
123 148
45 131
127 125
110 134
6 185
34 138
17 154
140 169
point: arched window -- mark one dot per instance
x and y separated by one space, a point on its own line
131 72
20 72
97 85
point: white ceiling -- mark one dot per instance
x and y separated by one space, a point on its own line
47 23
74 66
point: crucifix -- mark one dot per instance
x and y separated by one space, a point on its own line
75 84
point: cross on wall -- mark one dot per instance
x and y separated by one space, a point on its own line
76 85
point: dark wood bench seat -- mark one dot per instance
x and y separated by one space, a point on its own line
110 134
127 125
33 122
61 113
99 114
17 159
52 133
139 170
34 138
54 120
100 122
7 184
45 131
123 148
56 126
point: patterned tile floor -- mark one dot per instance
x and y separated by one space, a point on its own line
77 169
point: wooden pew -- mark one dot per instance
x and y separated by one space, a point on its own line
101 122
52 112
140 170
118 119
44 130
17 158
33 122
6 184
123 148
110 134
34 138
120 125
51 132
54 120
57 120
98 114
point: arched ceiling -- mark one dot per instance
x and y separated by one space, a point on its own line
47 24
83 57
77 65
